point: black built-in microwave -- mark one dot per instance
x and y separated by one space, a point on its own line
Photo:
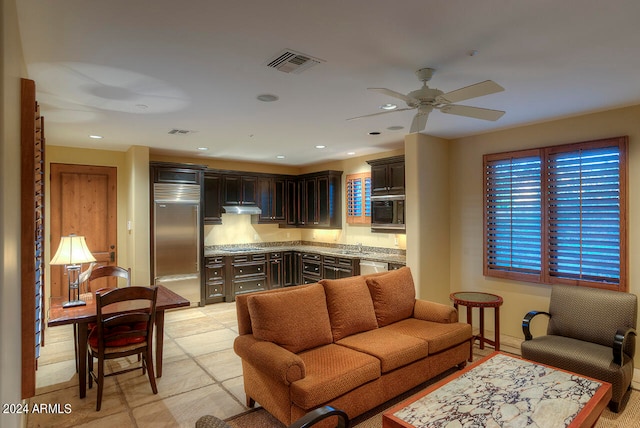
387 213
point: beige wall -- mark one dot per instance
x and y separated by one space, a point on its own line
427 215
466 205
12 69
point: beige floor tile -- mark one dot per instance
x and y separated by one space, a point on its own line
79 410
182 314
221 365
120 420
191 326
236 387
206 343
185 409
177 377
57 351
50 377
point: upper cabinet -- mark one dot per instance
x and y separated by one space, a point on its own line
272 199
239 189
212 198
387 176
318 199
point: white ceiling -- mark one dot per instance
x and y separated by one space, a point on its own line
200 64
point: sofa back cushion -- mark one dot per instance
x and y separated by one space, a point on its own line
296 319
350 306
393 295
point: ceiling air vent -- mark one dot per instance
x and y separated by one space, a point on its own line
289 61
180 132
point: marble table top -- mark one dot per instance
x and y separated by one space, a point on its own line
505 391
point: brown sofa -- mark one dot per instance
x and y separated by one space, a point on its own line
350 343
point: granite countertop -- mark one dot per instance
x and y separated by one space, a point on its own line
348 251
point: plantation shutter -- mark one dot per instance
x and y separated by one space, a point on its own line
513 222
358 198
584 212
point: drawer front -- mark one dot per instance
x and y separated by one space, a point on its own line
215 289
217 260
338 261
249 285
249 269
306 279
214 272
246 258
311 256
310 268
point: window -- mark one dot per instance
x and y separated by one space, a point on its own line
558 214
359 198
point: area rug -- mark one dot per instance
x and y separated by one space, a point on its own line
260 418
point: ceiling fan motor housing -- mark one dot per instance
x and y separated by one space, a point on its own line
424 95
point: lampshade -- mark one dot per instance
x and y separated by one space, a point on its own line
73 250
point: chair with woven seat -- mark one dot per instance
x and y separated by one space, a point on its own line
590 332
121 331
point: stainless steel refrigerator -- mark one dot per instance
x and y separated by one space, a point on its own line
177 246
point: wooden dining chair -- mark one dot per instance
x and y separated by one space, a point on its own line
108 271
120 334
96 273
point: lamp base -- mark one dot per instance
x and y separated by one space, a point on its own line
73 303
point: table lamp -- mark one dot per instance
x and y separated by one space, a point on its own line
71 253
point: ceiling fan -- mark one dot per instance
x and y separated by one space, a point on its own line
426 99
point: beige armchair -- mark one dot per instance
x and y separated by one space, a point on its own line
590 332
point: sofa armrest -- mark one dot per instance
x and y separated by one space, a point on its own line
283 365
619 342
526 322
432 311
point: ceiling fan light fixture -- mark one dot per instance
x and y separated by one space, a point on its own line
388 106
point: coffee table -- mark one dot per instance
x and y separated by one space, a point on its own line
504 390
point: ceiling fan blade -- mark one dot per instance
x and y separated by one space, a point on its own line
394 94
475 112
382 112
478 90
419 121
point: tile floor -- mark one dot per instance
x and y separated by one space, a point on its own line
201 375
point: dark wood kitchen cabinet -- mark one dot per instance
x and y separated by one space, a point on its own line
214 281
248 273
318 200
239 189
272 199
334 267
276 270
387 176
212 200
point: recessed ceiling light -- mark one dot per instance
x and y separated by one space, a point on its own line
267 98
395 128
351 153
203 149
388 106
374 133
320 146
142 106
96 137
280 157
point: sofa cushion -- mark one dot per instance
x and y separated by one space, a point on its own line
296 320
440 336
332 371
393 295
392 349
350 306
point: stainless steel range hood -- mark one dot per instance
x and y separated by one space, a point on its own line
242 209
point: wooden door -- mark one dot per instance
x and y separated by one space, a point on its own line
83 202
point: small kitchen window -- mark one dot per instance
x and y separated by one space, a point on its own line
358 198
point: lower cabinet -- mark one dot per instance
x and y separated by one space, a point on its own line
214 282
339 267
276 270
248 273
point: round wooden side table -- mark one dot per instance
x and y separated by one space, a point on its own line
475 299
